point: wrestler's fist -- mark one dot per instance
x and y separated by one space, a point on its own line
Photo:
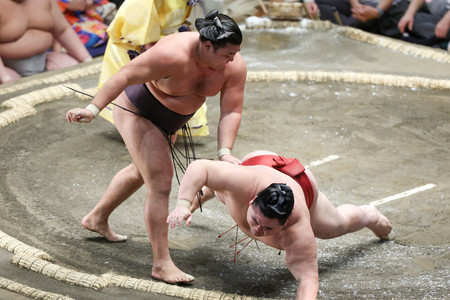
79 115
177 216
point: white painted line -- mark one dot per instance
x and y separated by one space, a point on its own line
323 160
404 194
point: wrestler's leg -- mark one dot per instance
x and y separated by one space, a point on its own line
151 155
123 185
328 221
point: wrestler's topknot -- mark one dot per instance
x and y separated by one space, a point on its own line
218 28
276 201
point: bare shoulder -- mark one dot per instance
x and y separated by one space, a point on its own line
237 67
175 47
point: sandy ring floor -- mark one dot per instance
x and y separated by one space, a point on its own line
24 107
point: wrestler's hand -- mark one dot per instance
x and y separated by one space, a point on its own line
79 115
231 159
177 216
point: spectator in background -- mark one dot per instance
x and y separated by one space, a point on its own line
427 23
89 19
27 31
118 3
311 8
364 14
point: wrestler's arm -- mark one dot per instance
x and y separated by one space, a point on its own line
153 64
301 259
66 36
216 176
231 102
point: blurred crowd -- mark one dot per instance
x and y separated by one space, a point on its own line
45 35
39 35
425 22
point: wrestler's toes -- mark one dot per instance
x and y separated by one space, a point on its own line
384 237
189 278
183 280
180 280
121 238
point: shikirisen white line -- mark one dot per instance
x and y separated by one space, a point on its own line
404 194
323 160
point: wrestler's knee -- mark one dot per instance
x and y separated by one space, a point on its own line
160 182
159 189
135 175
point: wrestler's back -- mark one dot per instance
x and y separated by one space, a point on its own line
25 28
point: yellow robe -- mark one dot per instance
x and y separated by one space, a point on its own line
138 23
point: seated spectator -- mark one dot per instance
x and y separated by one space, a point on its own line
311 8
362 14
118 3
89 19
7 74
138 25
426 23
27 31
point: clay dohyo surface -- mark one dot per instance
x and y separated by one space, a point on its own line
388 140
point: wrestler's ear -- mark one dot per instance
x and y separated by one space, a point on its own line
208 45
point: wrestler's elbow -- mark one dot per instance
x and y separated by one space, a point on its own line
197 166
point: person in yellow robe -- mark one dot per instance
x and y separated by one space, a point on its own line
138 25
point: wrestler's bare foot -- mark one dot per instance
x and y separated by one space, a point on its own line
102 229
169 273
381 227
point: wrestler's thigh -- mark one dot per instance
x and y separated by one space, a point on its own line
326 220
258 153
147 146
